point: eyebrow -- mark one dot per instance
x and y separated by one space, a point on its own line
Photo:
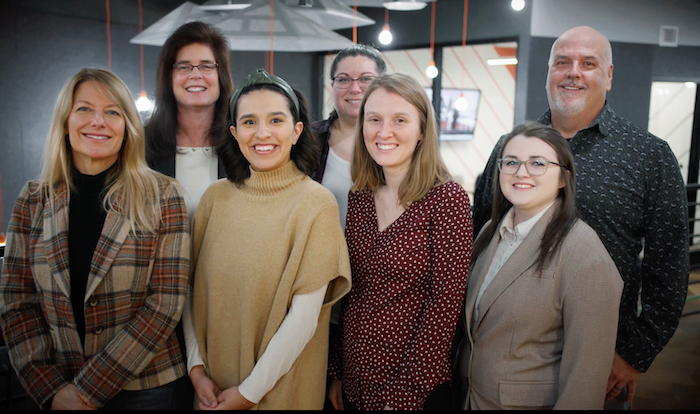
361 74
279 113
90 103
189 61
530 158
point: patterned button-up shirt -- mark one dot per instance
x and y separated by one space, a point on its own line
629 189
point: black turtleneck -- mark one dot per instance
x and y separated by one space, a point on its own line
86 219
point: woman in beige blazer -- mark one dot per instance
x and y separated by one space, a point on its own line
540 315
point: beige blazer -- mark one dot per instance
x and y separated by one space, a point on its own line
541 341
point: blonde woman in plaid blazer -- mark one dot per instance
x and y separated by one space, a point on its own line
123 352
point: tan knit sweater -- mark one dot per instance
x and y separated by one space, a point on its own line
254 248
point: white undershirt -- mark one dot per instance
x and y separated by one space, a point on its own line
336 177
285 346
195 169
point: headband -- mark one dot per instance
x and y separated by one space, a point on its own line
261 77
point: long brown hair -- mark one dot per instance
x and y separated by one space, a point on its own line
162 126
565 214
427 168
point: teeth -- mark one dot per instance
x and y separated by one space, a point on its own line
522 185
387 147
571 88
196 89
96 136
264 147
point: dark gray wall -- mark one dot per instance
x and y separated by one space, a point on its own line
45 42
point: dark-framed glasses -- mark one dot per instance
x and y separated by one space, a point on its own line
186 68
344 82
534 166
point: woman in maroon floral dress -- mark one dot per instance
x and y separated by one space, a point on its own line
409 233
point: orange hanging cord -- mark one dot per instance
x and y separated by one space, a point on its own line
109 41
272 52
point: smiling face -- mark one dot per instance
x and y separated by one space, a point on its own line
530 194
580 73
391 130
265 129
95 129
195 90
347 101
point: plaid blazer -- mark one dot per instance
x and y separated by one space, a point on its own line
134 298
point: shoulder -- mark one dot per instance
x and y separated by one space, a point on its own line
584 244
614 125
321 127
313 192
449 193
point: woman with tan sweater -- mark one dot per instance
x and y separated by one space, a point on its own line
269 260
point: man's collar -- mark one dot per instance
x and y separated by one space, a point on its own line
604 119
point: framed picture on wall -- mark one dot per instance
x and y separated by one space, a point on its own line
458 109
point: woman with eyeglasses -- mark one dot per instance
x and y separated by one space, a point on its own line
97 262
351 73
409 233
543 294
269 260
190 120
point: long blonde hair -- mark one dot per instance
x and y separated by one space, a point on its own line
132 188
427 168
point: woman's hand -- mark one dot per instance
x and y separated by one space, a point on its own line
335 394
206 389
69 398
231 399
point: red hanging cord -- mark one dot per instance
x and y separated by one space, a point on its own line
109 41
432 33
143 82
354 23
464 39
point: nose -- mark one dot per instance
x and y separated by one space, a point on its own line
97 119
385 130
196 75
522 171
262 131
355 86
574 70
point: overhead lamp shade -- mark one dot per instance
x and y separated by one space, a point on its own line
331 14
405 5
249 29
158 32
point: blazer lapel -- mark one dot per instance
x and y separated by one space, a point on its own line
520 261
476 278
56 238
114 233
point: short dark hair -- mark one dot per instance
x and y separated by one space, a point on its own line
564 217
162 126
304 153
360 50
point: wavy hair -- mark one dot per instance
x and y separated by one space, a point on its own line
304 152
132 188
162 126
565 214
427 168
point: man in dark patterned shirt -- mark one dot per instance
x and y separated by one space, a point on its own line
629 189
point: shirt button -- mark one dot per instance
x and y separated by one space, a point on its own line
93 302
98 331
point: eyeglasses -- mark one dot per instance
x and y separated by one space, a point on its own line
536 166
185 69
344 82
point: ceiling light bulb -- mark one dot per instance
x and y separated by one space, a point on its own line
431 71
461 104
143 104
385 36
517 5
404 5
